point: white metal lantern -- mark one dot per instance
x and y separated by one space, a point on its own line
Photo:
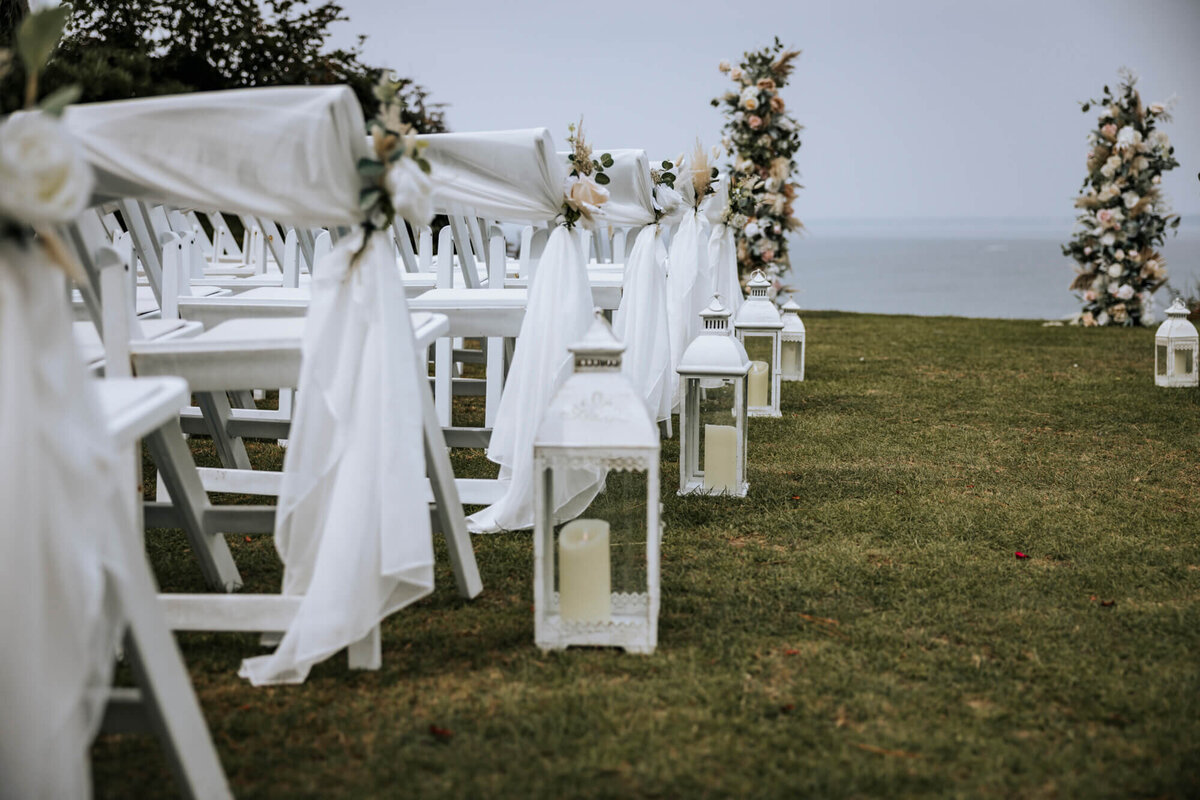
1175 349
596 578
760 329
791 364
712 416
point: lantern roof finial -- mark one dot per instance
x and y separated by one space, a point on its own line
599 350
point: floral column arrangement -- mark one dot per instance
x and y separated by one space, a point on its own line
1124 216
763 140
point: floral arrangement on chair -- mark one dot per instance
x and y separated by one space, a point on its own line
44 178
702 174
763 139
396 181
583 190
666 198
1124 216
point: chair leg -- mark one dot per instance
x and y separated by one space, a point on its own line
168 699
217 414
178 471
366 653
451 520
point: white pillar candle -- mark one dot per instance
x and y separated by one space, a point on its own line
759 373
720 458
584 572
791 358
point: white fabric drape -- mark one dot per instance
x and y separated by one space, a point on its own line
66 494
283 153
352 527
641 323
558 313
722 257
630 190
689 284
514 176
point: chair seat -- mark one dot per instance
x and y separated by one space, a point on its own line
248 353
133 407
476 312
91 347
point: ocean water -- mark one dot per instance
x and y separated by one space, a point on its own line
1009 268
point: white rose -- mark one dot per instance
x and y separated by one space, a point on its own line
1125 292
1119 255
1128 137
584 195
1108 193
1115 270
724 66
1160 140
750 103
735 73
1130 199
752 230
44 178
1157 179
1102 319
411 191
1108 239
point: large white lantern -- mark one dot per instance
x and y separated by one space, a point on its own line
760 329
596 578
1175 349
791 365
712 416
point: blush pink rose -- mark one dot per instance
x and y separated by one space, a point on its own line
1109 131
754 121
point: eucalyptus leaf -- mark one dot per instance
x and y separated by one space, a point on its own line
369 197
57 101
423 164
606 159
602 179
39 34
667 165
370 168
668 177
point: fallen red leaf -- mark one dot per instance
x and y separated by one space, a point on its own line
247 538
789 708
1019 554
1108 603
791 652
441 734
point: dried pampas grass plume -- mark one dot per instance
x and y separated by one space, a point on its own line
783 65
701 171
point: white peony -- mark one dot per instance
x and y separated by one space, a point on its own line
44 178
667 200
752 230
1128 137
1115 270
1130 199
1125 292
411 191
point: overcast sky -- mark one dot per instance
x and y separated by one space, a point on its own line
925 108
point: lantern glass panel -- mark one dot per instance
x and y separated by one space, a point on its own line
790 358
1183 362
761 350
718 449
1160 359
598 560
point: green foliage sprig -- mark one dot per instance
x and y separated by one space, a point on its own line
583 192
1124 216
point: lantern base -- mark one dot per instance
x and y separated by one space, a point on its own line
762 411
792 378
696 487
1176 383
630 627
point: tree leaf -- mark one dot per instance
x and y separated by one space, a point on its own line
39 34
58 100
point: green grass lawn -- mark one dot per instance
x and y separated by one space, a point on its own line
858 626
